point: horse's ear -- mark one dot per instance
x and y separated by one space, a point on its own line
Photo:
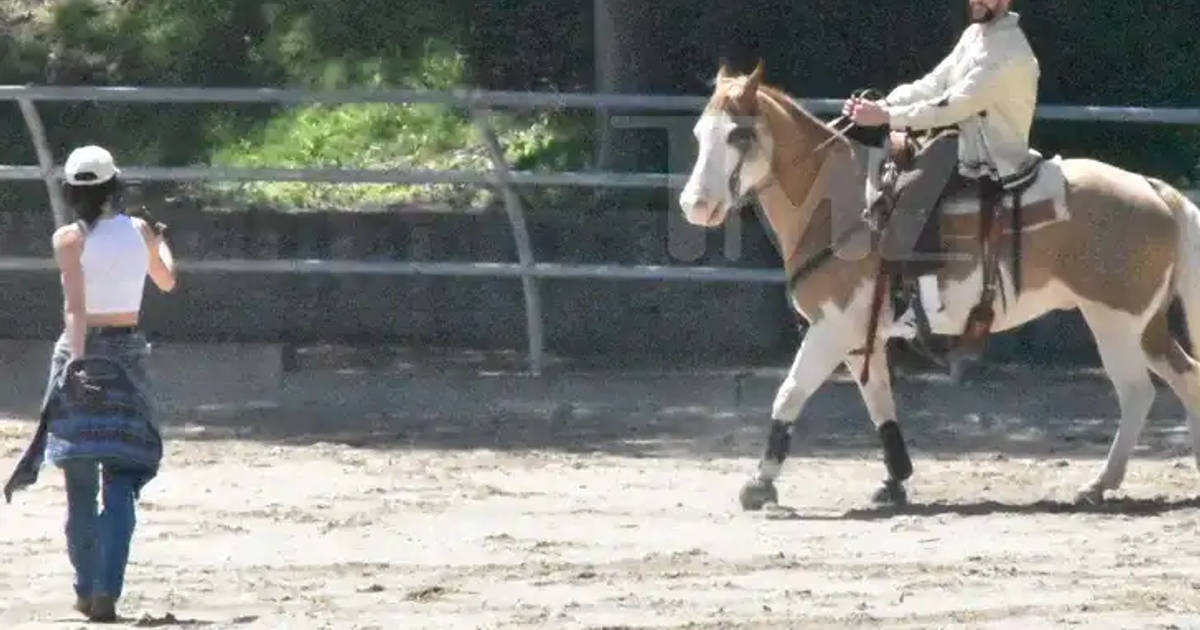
723 71
756 77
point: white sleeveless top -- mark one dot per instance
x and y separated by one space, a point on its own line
115 262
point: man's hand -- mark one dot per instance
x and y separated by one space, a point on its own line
865 113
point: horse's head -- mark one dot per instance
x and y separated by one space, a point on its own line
735 148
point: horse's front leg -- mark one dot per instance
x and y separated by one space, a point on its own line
881 405
820 352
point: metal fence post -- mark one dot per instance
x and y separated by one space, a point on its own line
37 134
516 217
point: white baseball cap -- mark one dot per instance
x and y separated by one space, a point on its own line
90 166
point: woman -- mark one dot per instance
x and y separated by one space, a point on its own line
96 413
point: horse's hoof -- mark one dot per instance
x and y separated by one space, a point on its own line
890 493
1091 495
757 493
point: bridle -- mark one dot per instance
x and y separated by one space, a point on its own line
743 134
740 139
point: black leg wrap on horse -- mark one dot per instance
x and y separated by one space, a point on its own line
895 453
779 443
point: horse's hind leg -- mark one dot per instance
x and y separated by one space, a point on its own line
1178 370
1119 341
820 352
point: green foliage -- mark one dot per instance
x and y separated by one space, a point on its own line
383 136
379 137
312 43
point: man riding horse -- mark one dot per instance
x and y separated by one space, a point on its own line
1118 246
987 90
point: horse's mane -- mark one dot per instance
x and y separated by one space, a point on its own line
793 107
730 103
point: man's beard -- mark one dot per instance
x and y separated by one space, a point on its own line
988 16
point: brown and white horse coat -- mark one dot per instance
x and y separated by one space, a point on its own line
1114 244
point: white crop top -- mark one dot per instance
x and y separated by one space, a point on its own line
115 262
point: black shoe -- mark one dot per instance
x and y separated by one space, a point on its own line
103 609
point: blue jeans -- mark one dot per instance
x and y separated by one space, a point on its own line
98 544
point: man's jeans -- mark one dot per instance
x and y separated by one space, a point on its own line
98 544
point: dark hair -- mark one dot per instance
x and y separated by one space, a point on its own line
88 201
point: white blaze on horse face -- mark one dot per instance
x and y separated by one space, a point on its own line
707 197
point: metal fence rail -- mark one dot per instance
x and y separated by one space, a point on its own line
372 176
474 99
463 269
500 176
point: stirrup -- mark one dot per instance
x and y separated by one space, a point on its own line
918 339
903 327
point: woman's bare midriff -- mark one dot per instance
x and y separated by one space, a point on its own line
96 320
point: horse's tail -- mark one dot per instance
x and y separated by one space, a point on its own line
1187 267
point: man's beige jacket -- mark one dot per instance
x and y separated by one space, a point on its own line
987 86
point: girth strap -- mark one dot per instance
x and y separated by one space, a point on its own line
823 256
1016 242
979 320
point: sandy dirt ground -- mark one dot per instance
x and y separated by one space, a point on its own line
583 517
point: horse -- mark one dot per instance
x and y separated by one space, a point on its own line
1118 246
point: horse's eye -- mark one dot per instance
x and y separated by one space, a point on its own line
741 137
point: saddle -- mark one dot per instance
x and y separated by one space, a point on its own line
924 214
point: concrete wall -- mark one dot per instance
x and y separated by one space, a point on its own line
186 376
679 321
254 391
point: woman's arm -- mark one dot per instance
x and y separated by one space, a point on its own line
68 250
162 261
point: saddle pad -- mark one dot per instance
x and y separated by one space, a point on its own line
1042 204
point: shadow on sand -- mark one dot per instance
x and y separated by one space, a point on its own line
1120 506
1016 417
1020 413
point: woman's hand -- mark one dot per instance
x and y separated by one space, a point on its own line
156 226
162 260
